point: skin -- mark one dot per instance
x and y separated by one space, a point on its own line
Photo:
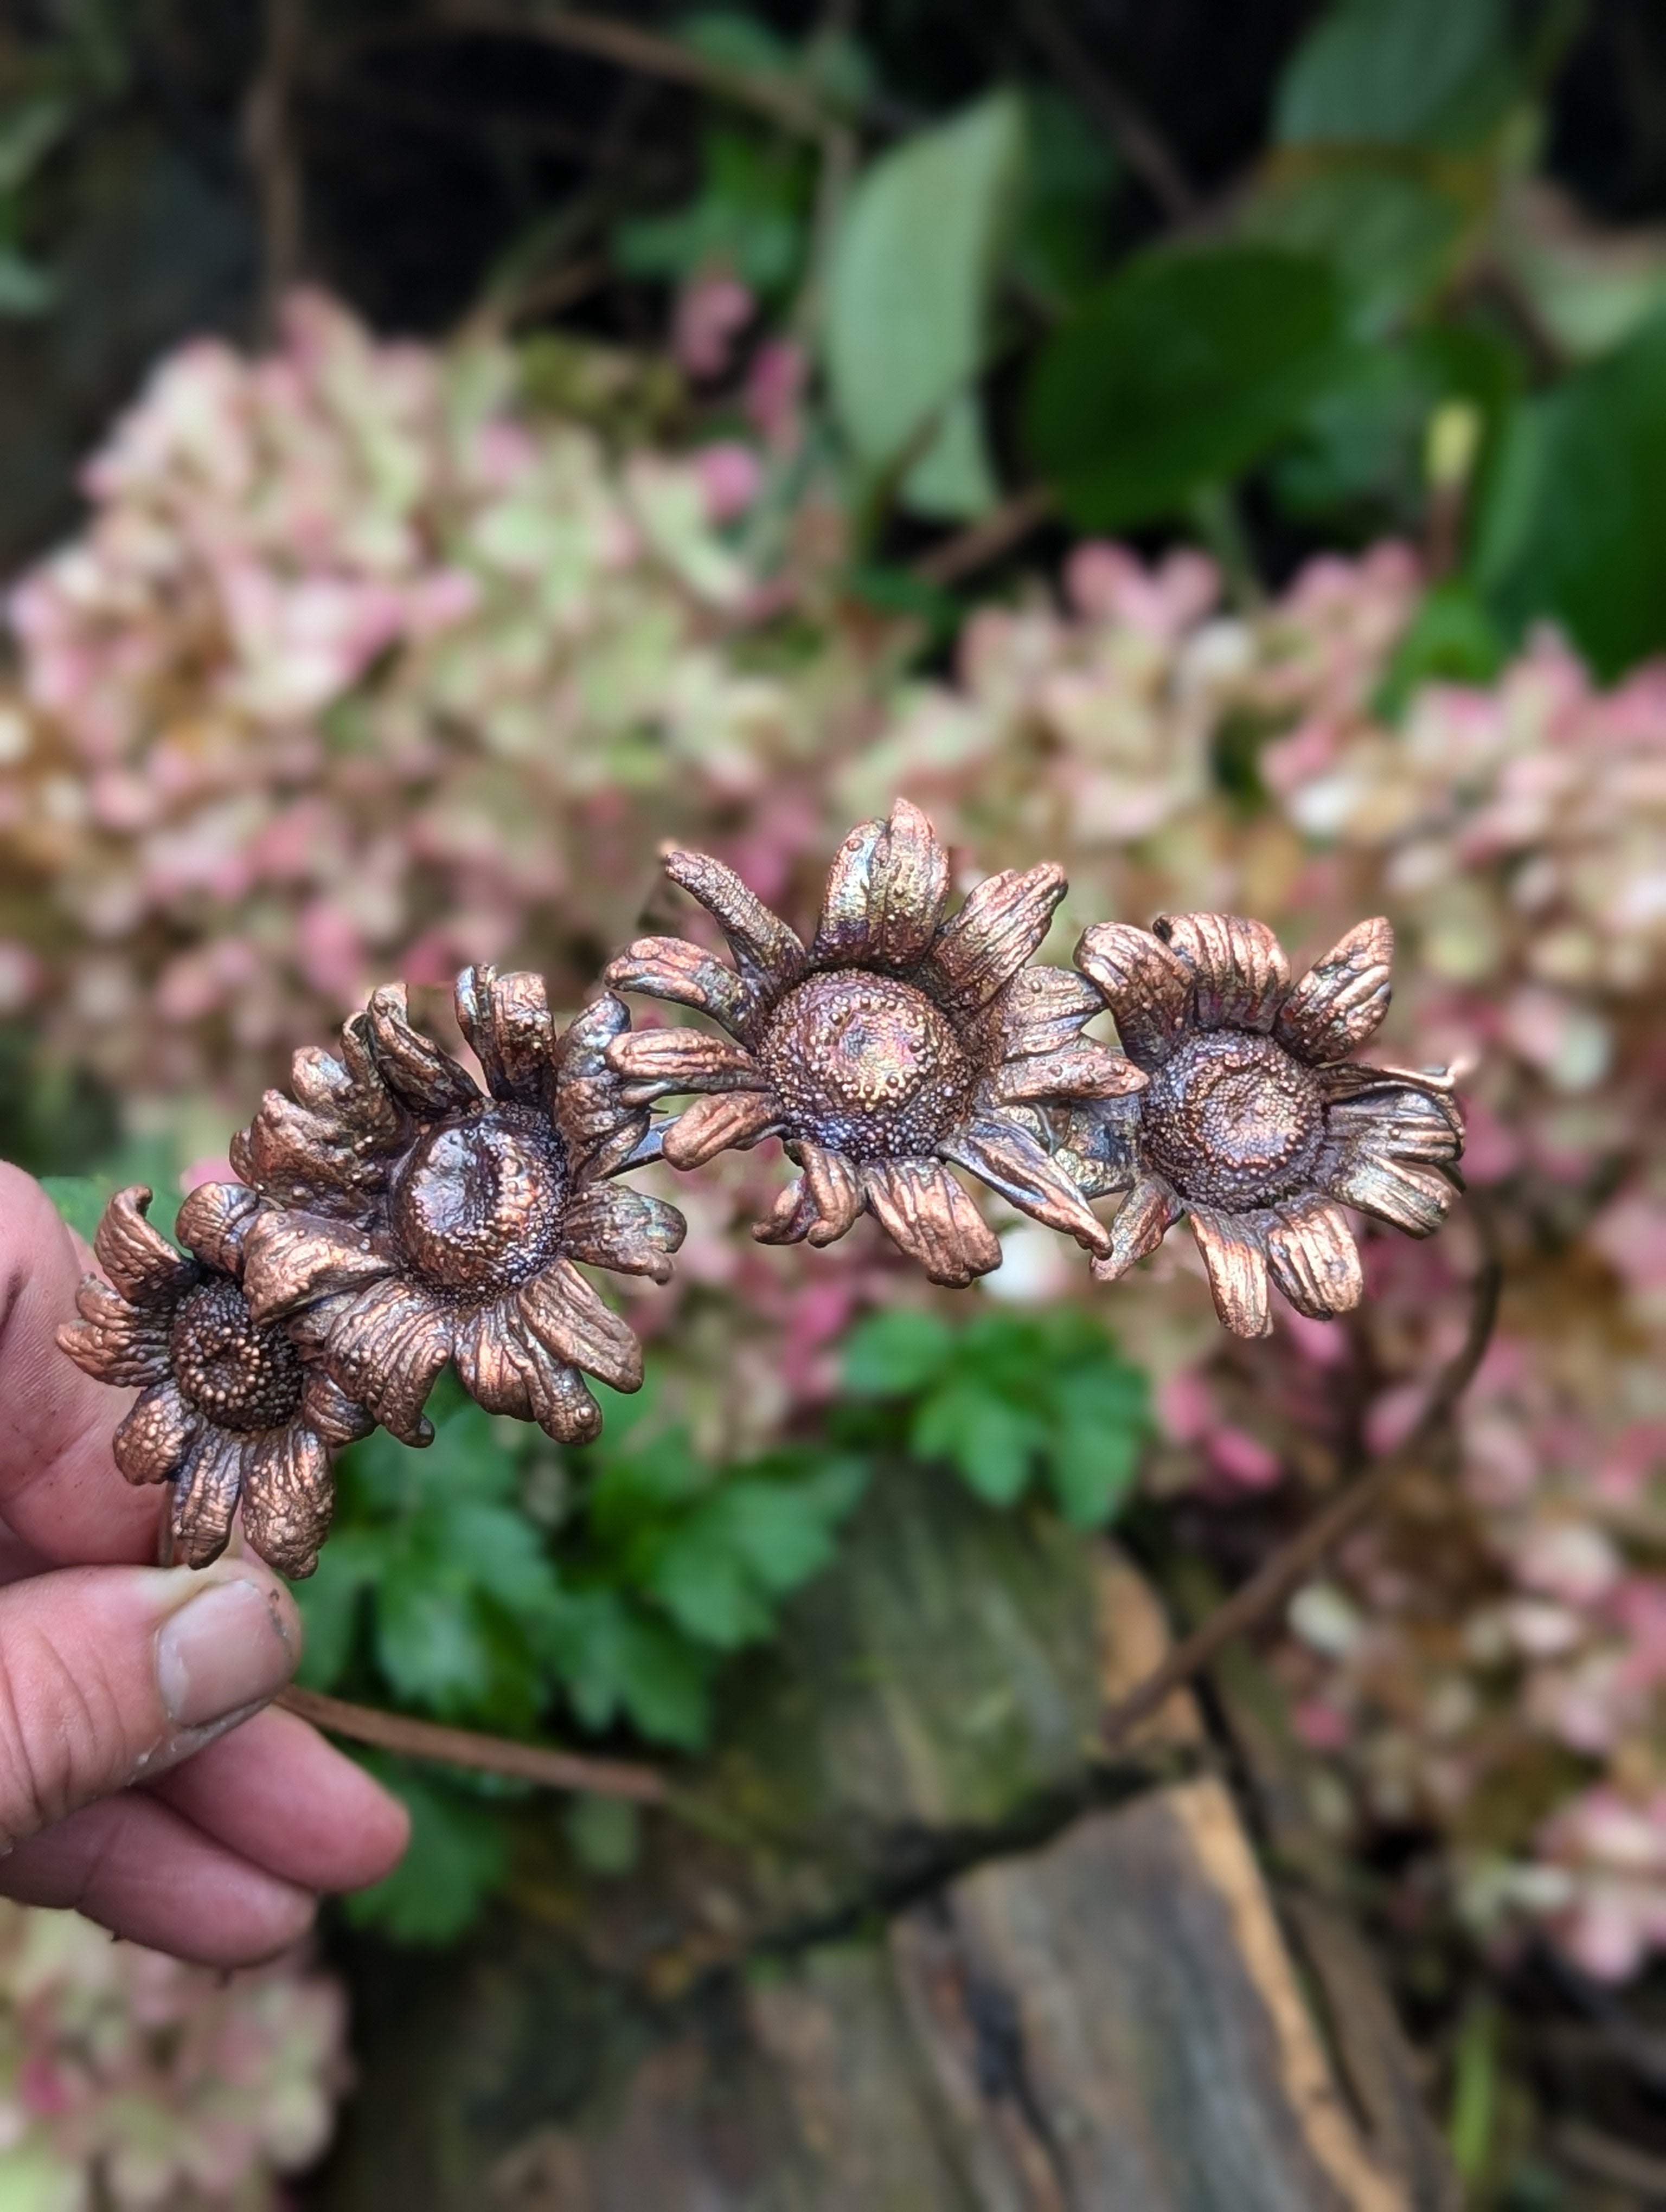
219 1853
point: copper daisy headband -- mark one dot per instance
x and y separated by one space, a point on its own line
393 1216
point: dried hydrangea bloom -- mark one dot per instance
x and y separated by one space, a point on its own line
1254 1123
228 1409
416 1217
896 1042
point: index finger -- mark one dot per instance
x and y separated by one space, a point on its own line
60 1489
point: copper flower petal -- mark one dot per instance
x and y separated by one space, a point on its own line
984 946
413 1067
505 1369
322 1083
1415 1199
1339 1003
598 1130
922 1208
1395 1116
631 1231
658 1063
1015 1164
886 894
205 1497
114 1341
1313 1257
1239 969
731 1121
671 968
511 1032
288 1499
327 1409
151 1443
1233 1253
1081 1071
1147 989
138 1259
299 1158
291 1260
835 1189
214 1221
568 1318
1148 1213
1099 1146
385 1345
841 934
790 1218
767 955
1042 1010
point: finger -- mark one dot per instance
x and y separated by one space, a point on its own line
274 1792
59 1488
107 1674
142 1870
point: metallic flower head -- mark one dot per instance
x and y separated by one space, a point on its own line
1254 1123
895 1042
415 1218
228 1410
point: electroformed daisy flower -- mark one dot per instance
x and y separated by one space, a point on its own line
1254 1123
897 1042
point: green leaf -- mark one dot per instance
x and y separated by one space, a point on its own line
1103 1420
1177 375
1393 72
79 1200
908 302
27 134
1072 177
613 1659
331 1601
1392 238
990 1441
890 1355
459 1855
1573 526
26 290
606 1833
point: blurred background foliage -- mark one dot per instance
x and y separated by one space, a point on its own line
1216 446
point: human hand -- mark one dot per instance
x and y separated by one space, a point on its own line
144 1778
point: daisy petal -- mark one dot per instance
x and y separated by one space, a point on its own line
767 955
731 1121
288 1499
505 1369
1148 1213
511 1032
671 968
385 1345
568 1318
1012 1162
790 1218
1237 1262
1339 1003
1314 1259
834 1190
291 1260
205 1499
1148 989
113 1341
1042 1010
594 1121
1415 1199
214 1222
1082 1071
841 934
884 907
327 1409
1382 1112
1098 1144
298 1158
151 1443
660 1063
413 1067
982 947
1240 974
922 1208
138 1259
631 1231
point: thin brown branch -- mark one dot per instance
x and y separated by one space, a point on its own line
489 1754
1293 1562
1135 138
269 146
985 540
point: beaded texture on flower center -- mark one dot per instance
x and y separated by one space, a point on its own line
1232 1121
868 1066
240 1373
478 1206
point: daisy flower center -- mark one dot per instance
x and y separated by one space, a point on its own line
477 1204
240 1374
1231 1119
868 1066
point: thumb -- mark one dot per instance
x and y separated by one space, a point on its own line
111 1675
